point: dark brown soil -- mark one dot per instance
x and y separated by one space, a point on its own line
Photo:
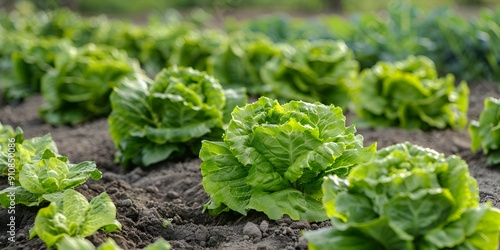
172 190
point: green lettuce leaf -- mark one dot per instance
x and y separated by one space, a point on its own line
25 152
485 133
407 197
76 243
238 61
110 244
30 63
151 122
409 95
6 136
273 159
194 48
45 176
78 88
159 244
72 215
321 70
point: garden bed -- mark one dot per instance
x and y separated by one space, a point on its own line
172 190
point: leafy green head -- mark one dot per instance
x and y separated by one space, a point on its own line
193 48
34 58
151 121
24 152
409 95
485 133
407 197
46 175
78 88
238 61
321 70
70 214
274 157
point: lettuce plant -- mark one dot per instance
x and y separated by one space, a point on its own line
273 159
194 48
407 197
279 28
321 70
157 47
485 133
237 62
44 176
70 214
409 95
24 151
78 88
29 64
169 116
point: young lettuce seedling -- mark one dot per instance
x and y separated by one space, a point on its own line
407 197
485 133
45 176
70 214
274 157
24 151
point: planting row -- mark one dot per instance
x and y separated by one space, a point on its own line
467 47
296 159
77 80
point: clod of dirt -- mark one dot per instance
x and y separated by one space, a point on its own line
264 225
172 195
285 220
302 244
252 230
301 224
125 203
202 234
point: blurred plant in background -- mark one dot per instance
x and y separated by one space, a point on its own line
133 7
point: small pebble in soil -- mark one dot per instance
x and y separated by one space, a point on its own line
124 184
19 237
84 187
264 225
246 237
152 189
172 195
126 203
252 230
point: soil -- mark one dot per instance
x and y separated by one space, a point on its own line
172 190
